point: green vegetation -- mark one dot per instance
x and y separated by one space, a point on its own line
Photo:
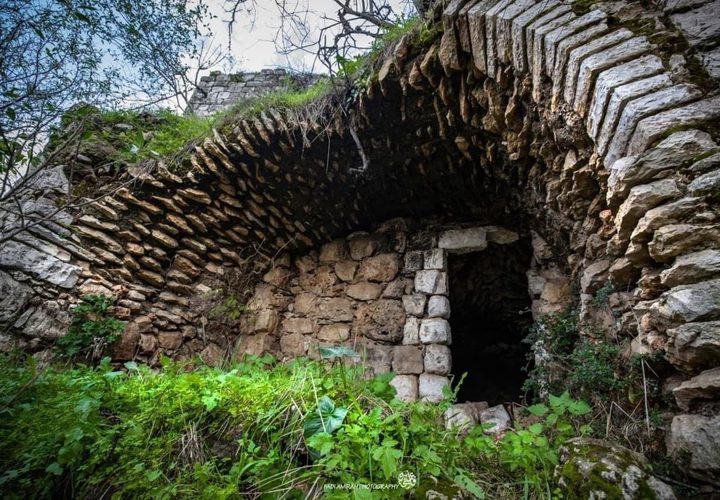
259 428
92 328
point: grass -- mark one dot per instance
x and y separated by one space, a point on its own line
258 428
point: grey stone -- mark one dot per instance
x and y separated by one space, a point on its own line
47 321
477 30
407 360
702 387
411 331
694 441
519 25
700 25
711 60
538 48
439 307
431 387
643 107
641 199
688 303
464 416
594 276
406 387
435 259
435 331
44 266
431 282
614 77
500 235
694 346
364 291
491 34
676 239
497 419
461 241
553 39
706 184
438 359
414 305
691 268
503 27
14 296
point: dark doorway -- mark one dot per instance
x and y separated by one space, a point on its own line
489 319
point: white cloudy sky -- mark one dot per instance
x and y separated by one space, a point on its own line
252 42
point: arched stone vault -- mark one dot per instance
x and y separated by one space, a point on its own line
522 114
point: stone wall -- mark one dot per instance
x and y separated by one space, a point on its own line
569 126
218 92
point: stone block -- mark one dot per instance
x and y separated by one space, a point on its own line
378 357
701 388
694 346
691 268
294 345
431 282
435 259
498 418
381 320
298 325
694 442
406 387
380 268
439 307
438 359
335 251
461 241
413 261
431 387
266 321
407 359
435 331
170 340
362 245
414 305
337 332
411 331
364 291
346 270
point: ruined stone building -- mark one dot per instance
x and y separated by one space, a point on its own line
531 156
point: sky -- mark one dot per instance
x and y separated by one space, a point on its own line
253 37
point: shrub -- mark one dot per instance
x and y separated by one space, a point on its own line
91 328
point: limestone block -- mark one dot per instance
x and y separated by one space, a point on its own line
213 355
694 441
500 235
306 263
378 357
435 331
650 129
277 276
677 239
619 98
497 418
537 67
608 80
435 259
147 343
431 282
689 303
503 28
553 38
406 387
700 25
362 245
294 345
255 345
337 332
396 288
411 331
381 268
491 34
519 25
346 270
561 11
702 387
170 340
464 416
382 320
438 359
298 325
691 268
195 195
49 320
334 309
641 199
461 241
16 255
407 359
14 296
266 321
431 387
694 346
595 63
364 291
438 307
414 305
594 276
642 107
335 251
706 184
711 61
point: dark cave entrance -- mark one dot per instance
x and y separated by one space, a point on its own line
490 317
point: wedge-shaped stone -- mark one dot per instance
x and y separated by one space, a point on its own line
503 28
519 24
641 108
476 29
578 55
689 303
703 387
694 346
610 79
641 199
706 184
562 53
662 216
559 34
538 65
591 66
679 239
463 29
561 11
692 268
491 35
619 99
652 128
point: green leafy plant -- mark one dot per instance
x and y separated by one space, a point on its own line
91 329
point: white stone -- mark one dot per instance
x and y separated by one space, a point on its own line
43 266
435 331
411 331
538 65
431 387
689 303
559 34
592 65
439 307
619 99
414 305
460 241
490 34
612 78
437 359
518 31
561 10
477 29
406 387
641 199
431 282
435 259
464 416
642 107
503 27
700 25
652 128
497 418
711 61
692 268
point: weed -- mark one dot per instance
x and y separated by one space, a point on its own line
602 295
92 328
